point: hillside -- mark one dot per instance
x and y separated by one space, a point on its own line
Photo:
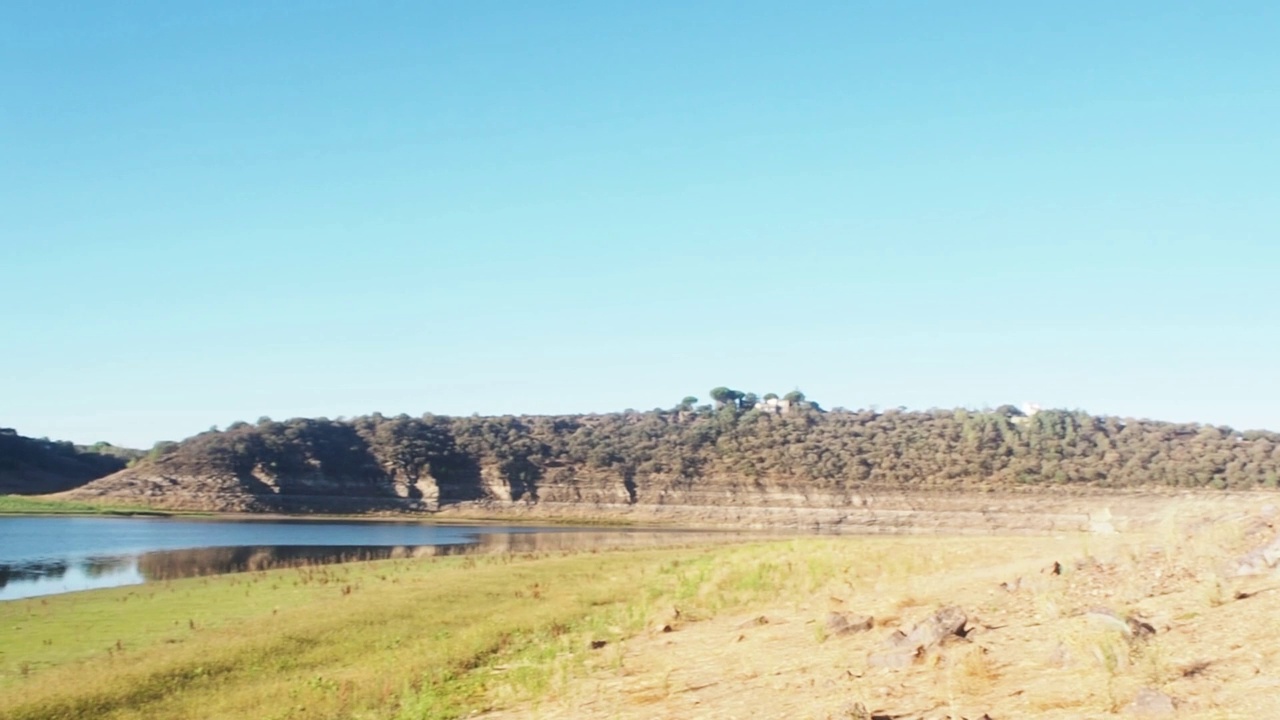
30 466
742 451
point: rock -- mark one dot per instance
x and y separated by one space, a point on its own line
1054 569
895 658
845 624
1261 559
906 648
932 630
1151 703
597 644
753 622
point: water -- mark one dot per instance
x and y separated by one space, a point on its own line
51 555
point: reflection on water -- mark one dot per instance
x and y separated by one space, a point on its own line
45 577
34 578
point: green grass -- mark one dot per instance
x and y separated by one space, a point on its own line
23 505
409 638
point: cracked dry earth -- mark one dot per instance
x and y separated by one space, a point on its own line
1155 625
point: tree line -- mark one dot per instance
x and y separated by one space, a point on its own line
41 465
739 436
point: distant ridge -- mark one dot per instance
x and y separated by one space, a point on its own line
30 466
742 450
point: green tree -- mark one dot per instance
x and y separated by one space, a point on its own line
725 396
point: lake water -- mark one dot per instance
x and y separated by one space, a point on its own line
51 555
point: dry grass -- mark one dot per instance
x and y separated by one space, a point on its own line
675 633
1037 650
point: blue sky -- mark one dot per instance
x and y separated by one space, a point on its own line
215 211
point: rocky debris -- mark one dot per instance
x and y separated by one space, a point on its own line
597 644
1151 703
845 624
905 648
1261 559
947 622
1054 569
753 622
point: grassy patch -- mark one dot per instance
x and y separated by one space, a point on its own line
408 638
23 505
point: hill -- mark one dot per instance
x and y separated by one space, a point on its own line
30 466
740 451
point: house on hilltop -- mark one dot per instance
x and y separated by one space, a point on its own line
774 405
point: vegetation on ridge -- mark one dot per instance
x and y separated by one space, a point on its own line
740 438
31 466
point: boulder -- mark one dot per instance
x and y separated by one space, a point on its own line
947 622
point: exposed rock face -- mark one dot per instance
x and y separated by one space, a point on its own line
564 493
835 471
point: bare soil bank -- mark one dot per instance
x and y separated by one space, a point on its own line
967 513
1174 621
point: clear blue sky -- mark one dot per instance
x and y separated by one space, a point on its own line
211 212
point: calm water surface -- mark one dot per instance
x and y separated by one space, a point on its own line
50 555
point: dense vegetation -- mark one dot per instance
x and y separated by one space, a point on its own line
30 465
741 438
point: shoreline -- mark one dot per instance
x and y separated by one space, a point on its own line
870 511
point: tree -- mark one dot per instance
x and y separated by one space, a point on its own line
1009 411
770 396
794 397
724 396
687 403
748 401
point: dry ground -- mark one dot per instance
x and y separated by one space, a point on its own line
1042 643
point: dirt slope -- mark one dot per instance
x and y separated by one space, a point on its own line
1157 624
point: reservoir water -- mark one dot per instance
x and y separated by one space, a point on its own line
51 555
